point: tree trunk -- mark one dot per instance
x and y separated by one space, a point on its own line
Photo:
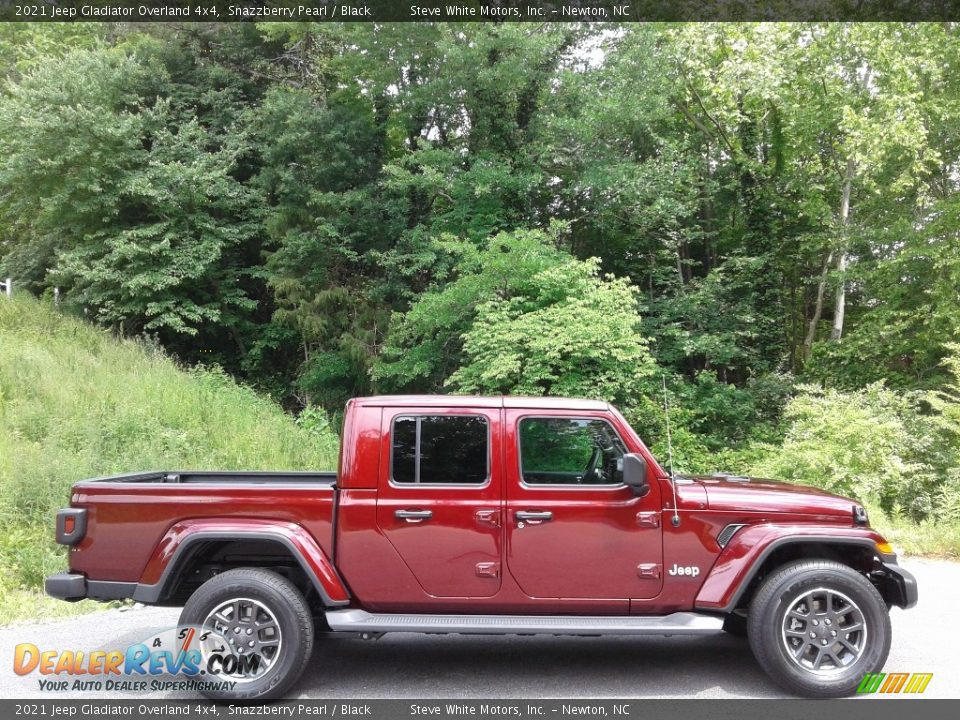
791 329
818 307
840 303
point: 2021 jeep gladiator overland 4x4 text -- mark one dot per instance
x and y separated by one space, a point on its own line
491 515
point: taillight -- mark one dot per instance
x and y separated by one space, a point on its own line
71 525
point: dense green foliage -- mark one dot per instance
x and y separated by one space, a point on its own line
765 215
893 451
75 403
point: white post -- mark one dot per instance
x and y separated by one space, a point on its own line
56 296
8 285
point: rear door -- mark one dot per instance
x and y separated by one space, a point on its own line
440 499
573 529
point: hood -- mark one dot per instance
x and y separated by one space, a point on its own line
732 492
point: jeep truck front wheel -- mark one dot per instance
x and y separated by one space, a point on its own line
267 629
817 627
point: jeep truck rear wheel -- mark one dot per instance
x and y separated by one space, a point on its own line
264 618
817 626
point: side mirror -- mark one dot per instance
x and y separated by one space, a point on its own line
635 474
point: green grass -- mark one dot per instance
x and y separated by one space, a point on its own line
75 402
927 538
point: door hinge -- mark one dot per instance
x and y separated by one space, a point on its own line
648 570
488 569
648 519
488 517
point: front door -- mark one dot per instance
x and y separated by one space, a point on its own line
439 503
574 530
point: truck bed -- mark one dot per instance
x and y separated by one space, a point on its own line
133 512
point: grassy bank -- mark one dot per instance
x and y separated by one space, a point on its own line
76 402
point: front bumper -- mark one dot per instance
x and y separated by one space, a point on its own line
66 586
897 586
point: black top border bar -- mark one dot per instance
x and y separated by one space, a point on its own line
477 10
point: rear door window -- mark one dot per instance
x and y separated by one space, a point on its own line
440 450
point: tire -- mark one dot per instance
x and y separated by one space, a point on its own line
276 603
829 600
735 624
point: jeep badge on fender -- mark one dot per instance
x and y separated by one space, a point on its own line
525 515
688 570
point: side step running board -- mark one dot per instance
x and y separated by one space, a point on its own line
679 623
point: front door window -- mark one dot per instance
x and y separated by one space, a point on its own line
570 451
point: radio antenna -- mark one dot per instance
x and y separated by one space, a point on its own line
675 520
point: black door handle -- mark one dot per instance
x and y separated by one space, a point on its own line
534 515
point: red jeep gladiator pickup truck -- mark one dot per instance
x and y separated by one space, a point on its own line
491 515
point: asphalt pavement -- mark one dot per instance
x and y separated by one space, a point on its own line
402 665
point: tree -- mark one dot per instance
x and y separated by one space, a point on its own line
522 317
318 159
865 82
573 333
129 205
25 45
170 261
425 344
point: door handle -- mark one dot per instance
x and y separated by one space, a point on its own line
412 516
534 515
